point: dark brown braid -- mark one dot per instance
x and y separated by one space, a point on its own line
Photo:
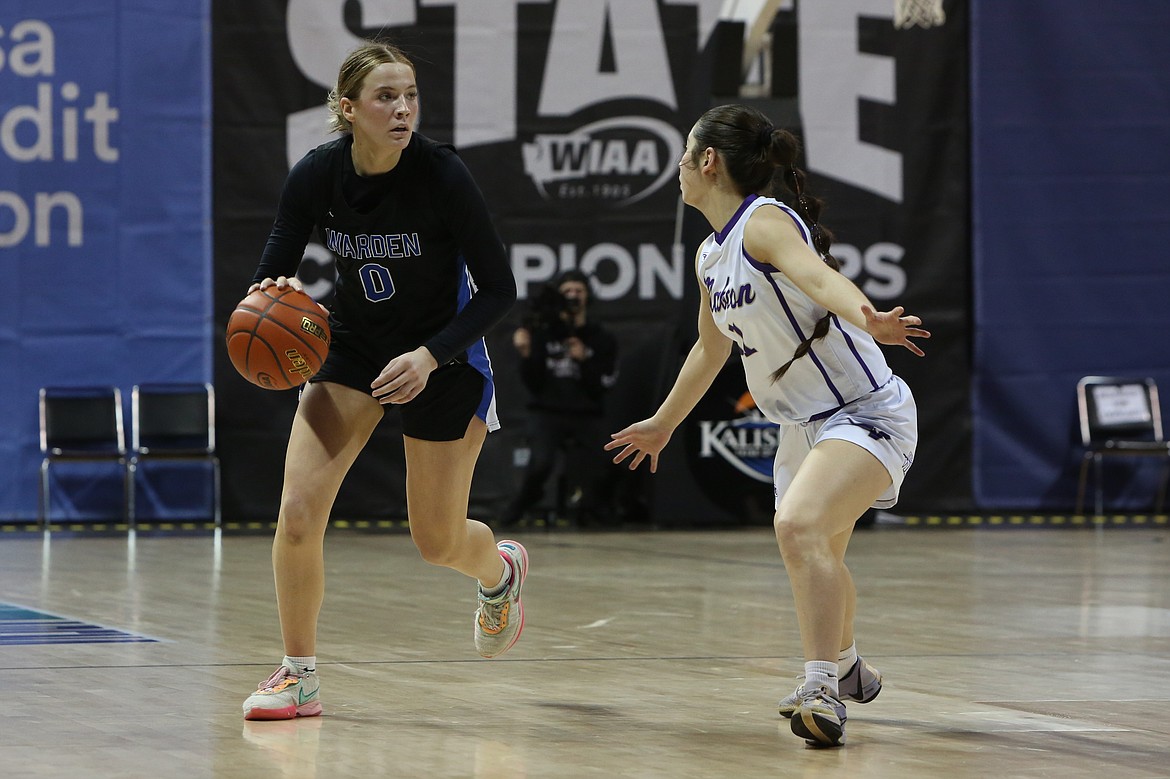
809 208
752 150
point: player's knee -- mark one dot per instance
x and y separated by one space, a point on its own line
301 520
436 549
796 530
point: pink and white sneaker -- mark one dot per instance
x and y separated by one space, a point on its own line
285 695
500 618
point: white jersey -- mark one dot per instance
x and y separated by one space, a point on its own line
760 309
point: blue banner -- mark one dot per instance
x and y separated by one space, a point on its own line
104 210
1071 167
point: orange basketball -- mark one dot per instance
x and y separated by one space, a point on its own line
278 338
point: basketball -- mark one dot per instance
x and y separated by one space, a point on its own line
278 338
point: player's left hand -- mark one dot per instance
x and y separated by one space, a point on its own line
890 327
404 377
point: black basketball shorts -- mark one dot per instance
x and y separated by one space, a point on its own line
441 412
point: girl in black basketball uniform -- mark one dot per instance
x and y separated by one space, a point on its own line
407 226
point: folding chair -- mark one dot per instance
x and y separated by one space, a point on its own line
1119 417
174 422
81 424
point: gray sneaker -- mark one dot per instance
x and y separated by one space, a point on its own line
862 684
499 619
819 718
285 695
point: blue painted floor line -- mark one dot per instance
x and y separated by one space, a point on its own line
22 626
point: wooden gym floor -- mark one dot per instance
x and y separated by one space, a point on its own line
1007 652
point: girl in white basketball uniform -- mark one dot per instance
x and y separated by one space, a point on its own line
807 337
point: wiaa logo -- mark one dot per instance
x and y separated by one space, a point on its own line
620 160
747 442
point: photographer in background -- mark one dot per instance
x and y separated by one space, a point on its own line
568 363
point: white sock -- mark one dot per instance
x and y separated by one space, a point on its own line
821 673
505 580
302 664
847 659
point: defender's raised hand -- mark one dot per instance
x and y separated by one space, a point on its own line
894 329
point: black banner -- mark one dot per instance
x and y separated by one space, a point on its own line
572 116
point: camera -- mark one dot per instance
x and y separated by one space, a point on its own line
545 311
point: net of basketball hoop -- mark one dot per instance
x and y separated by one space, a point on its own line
918 13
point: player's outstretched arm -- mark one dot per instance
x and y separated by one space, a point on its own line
646 439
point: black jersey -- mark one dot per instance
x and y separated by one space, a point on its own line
404 243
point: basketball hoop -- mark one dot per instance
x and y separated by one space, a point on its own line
920 13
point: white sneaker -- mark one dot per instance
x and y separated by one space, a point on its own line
499 619
819 718
285 695
862 684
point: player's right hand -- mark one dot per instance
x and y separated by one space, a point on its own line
641 440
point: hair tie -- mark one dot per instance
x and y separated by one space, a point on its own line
765 137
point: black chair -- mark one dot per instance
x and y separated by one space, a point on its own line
1119 417
81 424
174 422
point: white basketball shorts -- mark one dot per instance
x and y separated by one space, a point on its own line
884 423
